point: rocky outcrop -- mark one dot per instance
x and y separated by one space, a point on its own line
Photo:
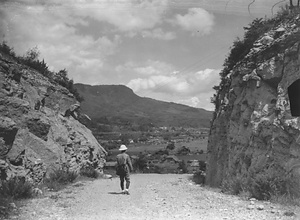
256 128
35 134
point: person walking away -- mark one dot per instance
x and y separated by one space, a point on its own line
124 166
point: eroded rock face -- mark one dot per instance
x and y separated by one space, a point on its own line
35 137
253 131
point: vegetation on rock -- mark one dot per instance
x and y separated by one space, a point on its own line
59 178
16 188
31 59
89 171
248 153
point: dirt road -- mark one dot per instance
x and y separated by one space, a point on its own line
152 197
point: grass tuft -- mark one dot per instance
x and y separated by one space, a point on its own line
16 188
59 178
89 172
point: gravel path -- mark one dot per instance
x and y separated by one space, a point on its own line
152 197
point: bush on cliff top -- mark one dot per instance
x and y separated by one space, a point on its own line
253 32
31 59
241 47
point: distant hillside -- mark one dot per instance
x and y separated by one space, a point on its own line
119 104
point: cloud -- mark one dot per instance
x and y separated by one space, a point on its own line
61 45
161 84
124 15
194 89
158 33
62 32
193 101
129 15
203 100
197 20
184 85
147 68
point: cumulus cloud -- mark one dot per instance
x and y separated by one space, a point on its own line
55 34
197 20
185 85
148 68
125 15
194 89
158 33
203 100
55 27
162 84
193 101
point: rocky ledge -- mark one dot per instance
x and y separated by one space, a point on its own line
36 134
255 132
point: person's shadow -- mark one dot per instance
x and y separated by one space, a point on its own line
115 193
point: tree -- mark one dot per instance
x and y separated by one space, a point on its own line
183 167
61 77
170 146
7 49
292 5
141 163
32 54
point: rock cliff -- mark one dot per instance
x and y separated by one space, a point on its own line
255 130
35 134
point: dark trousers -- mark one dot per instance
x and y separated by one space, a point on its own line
122 180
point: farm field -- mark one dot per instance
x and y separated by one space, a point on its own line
194 146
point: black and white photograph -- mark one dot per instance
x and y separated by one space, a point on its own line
149 109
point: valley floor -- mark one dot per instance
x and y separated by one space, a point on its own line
152 197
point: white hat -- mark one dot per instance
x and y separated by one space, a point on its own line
122 147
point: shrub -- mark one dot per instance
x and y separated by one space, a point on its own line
16 188
199 177
254 31
161 152
31 59
141 163
202 165
170 146
274 183
164 168
6 49
183 151
183 167
271 184
233 185
89 172
61 77
60 177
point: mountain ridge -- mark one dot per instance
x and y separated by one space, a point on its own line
120 103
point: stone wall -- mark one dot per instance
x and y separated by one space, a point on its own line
35 137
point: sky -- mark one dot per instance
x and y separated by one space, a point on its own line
169 50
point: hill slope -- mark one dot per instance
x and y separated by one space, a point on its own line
119 104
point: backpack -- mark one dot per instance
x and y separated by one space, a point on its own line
121 169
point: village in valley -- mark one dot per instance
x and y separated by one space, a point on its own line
159 150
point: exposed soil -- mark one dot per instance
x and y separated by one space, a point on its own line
152 197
